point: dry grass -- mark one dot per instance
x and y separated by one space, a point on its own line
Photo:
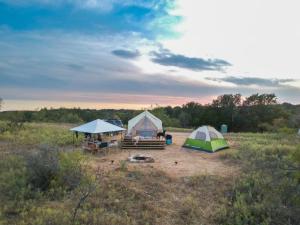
152 197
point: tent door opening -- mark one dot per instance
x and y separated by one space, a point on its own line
146 133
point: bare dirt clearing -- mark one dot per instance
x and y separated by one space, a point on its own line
189 162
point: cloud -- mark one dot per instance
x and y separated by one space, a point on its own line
127 54
94 17
77 67
253 81
105 5
34 59
166 58
66 63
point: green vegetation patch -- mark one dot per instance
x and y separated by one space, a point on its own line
268 190
35 134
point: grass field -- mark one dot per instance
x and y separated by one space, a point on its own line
40 183
33 134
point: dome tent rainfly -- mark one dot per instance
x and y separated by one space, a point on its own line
144 124
97 126
206 138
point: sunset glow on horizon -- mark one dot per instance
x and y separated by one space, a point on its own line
147 103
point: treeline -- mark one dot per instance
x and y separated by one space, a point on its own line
257 113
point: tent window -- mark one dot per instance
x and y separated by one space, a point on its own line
201 136
213 135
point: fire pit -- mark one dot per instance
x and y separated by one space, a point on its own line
140 159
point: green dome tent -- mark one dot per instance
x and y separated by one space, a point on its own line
206 138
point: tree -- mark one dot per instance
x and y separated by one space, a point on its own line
184 119
262 109
1 102
160 112
193 112
261 99
228 100
227 107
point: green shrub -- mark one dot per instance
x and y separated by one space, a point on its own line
287 130
263 200
43 168
268 191
265 127
44 215
27 181
50 169
13 178
71 169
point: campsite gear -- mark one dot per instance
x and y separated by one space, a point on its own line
103 145
113 144
97 127
86 135
224 129
144 125
206 138
299 132
168 139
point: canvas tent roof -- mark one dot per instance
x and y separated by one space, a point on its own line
96 127
134 121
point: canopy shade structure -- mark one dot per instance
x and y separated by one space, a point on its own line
144 124
206 138
97 127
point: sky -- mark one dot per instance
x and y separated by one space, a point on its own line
144 53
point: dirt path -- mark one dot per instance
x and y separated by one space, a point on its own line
190 162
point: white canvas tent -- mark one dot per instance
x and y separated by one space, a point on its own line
299 132
97 127
144 124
